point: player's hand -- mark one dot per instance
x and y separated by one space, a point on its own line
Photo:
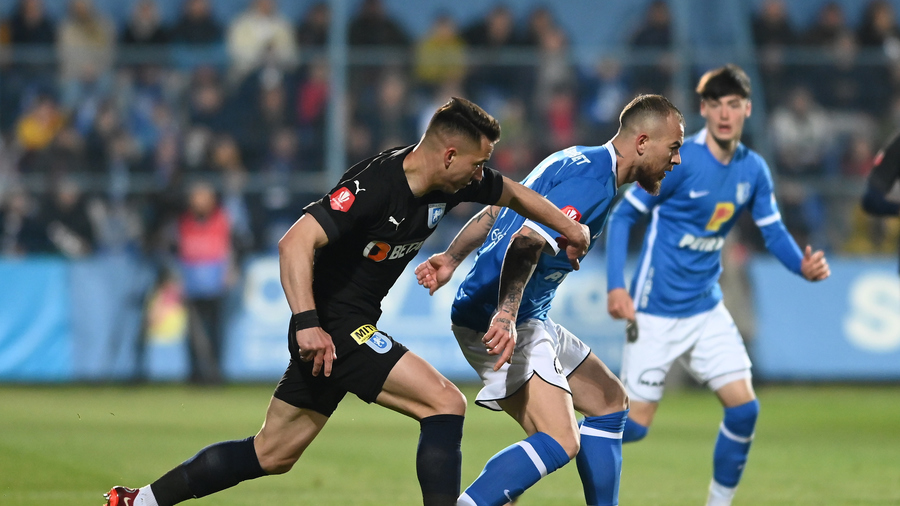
500 338
576 245
619 304
814 266
435 272
316 345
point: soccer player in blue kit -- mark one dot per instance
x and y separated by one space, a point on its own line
675 299
503 302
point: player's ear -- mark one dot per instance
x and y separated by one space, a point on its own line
640 143
449 154
749 108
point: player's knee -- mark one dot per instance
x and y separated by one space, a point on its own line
742 419
449 401
277 463
570 442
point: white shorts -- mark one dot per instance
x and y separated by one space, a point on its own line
708 344
542 347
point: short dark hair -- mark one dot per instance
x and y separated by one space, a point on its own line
644 106
461 116
724 81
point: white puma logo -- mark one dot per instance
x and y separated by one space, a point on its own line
358 189
394 222
506 493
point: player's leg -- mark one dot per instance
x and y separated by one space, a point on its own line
285 434
645 364
546 413
415 388
720 359
600 396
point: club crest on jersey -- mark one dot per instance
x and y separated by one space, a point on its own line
435 213
571 212
342 199
380 342
743 193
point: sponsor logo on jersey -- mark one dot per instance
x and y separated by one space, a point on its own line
342 199
363 333
652 378
691 242
723 212
743 193
435 213
697 194
380 342
378 250
571 212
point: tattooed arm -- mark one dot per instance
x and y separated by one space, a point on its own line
522 256
438 269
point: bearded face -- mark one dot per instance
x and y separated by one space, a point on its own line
649 179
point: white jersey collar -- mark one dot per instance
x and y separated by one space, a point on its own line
612 154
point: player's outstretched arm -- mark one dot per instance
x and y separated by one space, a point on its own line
814 266
522 256
533 206
439 268
296 251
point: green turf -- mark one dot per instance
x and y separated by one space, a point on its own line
67 445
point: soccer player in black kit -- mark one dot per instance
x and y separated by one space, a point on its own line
882 197
338 262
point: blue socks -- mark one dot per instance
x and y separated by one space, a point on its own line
634 431
733 443
439 459
514 469
600 458
214 468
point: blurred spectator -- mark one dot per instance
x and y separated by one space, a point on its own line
373 27
313 30
771 26
560 121
86 43
605 91
196 25
271 114
554 70
845 83
226 155
879 27
204 253
20 231
206 106
29 24
540 22
144 28
858 159
312 103
773 34
801 134
39 126
490 78
829 24
389 117
441 54
65 220
654 34
261 35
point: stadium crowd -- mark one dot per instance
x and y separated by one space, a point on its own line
103 126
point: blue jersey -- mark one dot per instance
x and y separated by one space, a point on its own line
698 204
579 180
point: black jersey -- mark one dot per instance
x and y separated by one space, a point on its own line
375 226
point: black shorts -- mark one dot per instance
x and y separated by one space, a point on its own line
362 370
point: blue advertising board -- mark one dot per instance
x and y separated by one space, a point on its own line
844 328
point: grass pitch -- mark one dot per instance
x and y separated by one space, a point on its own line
816 445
